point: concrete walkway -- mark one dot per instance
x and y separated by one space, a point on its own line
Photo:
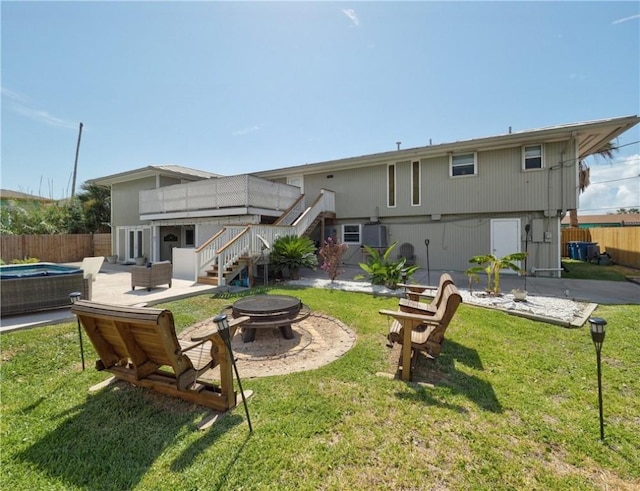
113 285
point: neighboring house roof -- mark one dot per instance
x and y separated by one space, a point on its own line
169 170
617 219
17 195
591 136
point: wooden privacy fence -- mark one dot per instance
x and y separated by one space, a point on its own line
54 248
622 243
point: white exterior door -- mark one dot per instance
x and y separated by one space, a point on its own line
296 181
505 238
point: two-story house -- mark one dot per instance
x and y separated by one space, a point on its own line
450 201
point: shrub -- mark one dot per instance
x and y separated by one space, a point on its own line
383 271
331 253
293 252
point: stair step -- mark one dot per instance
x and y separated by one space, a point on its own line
207 280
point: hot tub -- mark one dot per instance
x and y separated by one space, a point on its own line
32 287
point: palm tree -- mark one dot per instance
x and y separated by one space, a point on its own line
607 151
96 204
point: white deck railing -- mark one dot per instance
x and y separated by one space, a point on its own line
236 241
241 191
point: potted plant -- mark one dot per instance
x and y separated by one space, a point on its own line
492 265
141 260
292 252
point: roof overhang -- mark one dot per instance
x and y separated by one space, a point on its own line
590 137
153 171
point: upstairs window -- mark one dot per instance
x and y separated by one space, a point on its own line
391 185
462 165
532 157
415 183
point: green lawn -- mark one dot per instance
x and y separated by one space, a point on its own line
580 270
510 404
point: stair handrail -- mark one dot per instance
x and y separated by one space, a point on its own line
291 213
319 205
232 242
230 252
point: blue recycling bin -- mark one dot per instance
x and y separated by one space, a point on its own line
573 250
584 248
580 250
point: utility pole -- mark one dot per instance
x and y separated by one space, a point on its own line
75 165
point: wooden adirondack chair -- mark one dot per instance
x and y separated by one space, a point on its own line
419 332
139 345
406 251
414 293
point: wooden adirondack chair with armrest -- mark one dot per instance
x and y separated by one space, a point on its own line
419 332
139 345
414 293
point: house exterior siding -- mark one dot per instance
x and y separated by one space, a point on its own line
454 213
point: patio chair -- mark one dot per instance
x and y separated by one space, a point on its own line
139 345
414 293
406 251
151 275
419 332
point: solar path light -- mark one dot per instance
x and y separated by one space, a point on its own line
597 335
222 324
75 296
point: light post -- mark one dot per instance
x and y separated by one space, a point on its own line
75 296
403 276
597 335
222 324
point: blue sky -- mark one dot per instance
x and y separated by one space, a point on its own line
234 87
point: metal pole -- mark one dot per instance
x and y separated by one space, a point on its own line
426 243
75 165
598 348
75 296
223 328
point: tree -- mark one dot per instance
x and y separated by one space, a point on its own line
607 151
96 205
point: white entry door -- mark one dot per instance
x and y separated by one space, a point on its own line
296 181
505 238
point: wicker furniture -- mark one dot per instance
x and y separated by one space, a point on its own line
31 294
151 275
139 345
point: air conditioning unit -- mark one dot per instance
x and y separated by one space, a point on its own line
374 235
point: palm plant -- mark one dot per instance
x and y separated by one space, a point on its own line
492 266
383 271
607 151
293 252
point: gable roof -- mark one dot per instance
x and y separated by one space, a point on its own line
168 170
17 195
590 135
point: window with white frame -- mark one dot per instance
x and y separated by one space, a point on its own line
532 157
463 165
391 185
351 233
415 183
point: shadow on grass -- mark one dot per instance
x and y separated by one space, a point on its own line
443 374
111 440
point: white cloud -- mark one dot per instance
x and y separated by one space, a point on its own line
613 186
625 19
246 131
351 14
21 105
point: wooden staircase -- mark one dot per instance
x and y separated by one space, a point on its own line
237 247
211 275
